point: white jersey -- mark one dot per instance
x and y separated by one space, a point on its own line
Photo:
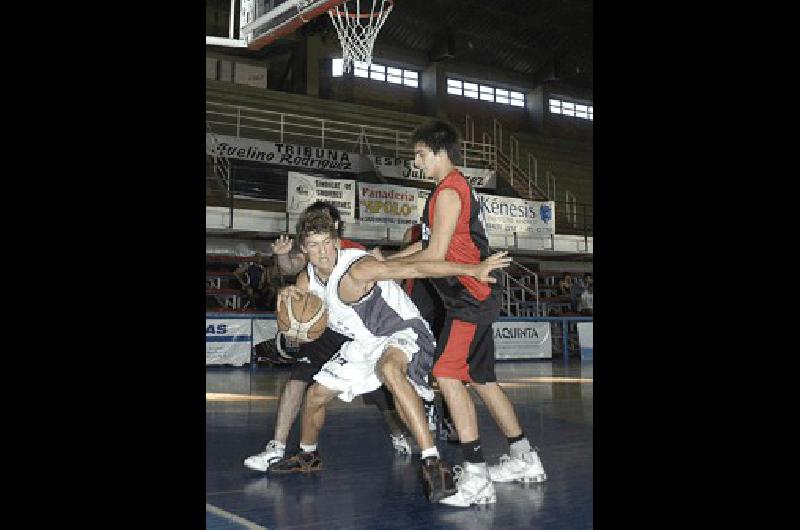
315 285
383 317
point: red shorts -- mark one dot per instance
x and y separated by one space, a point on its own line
465 351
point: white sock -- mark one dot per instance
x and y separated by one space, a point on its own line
308 448
519 447
433 451
279 445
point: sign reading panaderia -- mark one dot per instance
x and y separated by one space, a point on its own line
388 204
509 214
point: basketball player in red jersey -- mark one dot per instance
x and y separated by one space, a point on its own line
453 229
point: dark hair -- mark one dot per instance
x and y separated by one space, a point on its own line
316 221
332 210
438 135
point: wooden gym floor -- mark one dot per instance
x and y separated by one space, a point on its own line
365 484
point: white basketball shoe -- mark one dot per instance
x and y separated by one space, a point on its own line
527 467
472 487
273 452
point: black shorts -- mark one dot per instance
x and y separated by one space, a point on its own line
314 354
465 351
427 300
380 397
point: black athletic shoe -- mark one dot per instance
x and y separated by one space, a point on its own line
437 479
302 462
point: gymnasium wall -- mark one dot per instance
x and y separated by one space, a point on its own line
562 144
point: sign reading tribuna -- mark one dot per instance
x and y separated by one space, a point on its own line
306 157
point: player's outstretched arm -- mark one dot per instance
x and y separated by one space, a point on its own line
370 270
446 212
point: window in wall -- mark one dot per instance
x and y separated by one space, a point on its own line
338 68
471 90
394 75
454 87
483 92
360 69
517 99
501 96
378 72
583 111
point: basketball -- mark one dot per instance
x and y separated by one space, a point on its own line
309 314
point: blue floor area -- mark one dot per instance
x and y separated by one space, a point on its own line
365 484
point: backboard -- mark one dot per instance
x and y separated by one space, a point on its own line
255 23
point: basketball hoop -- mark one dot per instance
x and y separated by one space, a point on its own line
358 27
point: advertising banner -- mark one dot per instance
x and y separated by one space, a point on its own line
522 340
304 189
586 340
285 154
510 214
388 204
403 168
318 158
228 341
264 329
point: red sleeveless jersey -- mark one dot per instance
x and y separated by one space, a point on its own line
346 243
464 296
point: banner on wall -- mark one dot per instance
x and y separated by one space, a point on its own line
388 204
403 168
303 190
264 329
318 158
522 340
510 214
228 341
286 154
586 340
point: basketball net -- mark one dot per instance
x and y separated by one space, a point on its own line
357 28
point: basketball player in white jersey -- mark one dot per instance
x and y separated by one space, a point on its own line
391 342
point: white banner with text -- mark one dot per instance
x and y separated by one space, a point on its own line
388 204
286 154
510 214
522 340
228 341
303 190
403 168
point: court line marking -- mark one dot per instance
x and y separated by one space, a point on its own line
548 380
212 396
233 517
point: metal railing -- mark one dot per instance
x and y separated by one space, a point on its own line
520 302
284 127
